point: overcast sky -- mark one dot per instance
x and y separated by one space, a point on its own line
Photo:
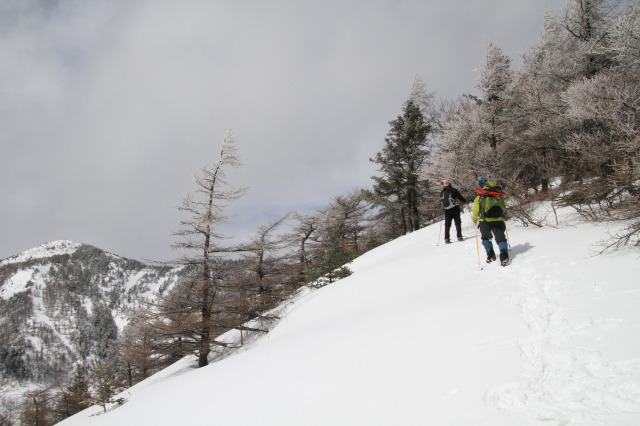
108 107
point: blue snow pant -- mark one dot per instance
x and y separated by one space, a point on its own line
490 229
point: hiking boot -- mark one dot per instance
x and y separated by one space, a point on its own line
460 239
491 256
447 241
504 257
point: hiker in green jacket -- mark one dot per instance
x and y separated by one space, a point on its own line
488 211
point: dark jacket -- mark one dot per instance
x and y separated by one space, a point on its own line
455 195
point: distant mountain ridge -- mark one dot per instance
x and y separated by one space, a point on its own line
44 250
63 303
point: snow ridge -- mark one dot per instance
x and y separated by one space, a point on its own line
43 251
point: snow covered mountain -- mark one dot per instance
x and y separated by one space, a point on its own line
62 302
420 335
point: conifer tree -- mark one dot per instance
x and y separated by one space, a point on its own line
75 397
330 257
104 385
398 189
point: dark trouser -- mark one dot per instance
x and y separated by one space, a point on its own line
490 229
452 214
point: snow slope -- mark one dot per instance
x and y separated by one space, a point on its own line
419 335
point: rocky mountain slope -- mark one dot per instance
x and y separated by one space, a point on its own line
62 303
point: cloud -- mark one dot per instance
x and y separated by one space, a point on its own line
108 107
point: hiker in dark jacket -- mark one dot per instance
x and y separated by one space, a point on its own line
452 201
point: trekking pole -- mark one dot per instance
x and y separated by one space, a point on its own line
440 233
506 233
477 246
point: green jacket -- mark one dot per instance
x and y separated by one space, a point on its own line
475 212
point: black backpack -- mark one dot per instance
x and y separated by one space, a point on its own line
447 200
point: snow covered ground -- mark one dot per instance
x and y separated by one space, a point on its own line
419 335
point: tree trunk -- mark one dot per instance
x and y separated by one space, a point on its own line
205 347
545 185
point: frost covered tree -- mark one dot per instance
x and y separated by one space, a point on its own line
432 171
569 50
300 238
604 107
200 237
570 111
584 22
266 265
624 37
539 125
398 188
489 120
475 133
425 100
348 215
585 32
341 235
606 111
458 156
